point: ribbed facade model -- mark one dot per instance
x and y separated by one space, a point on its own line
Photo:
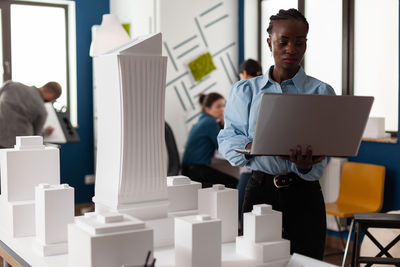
131 158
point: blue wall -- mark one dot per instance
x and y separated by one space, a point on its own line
387 155
77 160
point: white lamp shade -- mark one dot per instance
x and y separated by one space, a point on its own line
108 36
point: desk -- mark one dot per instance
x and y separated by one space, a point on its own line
376 220
220 163
19 249
18 252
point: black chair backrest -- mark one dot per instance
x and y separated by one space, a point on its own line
172 150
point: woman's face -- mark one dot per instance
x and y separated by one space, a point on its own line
288 43
217 109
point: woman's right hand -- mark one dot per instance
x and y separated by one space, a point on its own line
248 146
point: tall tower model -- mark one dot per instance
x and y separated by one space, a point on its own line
131 159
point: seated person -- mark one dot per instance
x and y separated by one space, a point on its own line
202 143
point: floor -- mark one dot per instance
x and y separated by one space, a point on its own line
333 251
333 246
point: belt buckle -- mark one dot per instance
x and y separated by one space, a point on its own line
277 185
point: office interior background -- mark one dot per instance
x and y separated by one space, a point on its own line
352 45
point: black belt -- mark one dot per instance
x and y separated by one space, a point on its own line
283 180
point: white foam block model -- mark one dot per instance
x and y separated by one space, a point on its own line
254 224
263 251
17 217
108 240
298 260
23 167
375 128
197 241
131 157
221 203
164 227
54 211
182 193
26 165
262 236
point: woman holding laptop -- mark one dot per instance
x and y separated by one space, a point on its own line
290 184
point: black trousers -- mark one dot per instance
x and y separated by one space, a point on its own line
208 176
303 211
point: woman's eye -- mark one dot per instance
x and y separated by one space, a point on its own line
282 43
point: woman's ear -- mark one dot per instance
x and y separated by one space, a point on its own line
269 44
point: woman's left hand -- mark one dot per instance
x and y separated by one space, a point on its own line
301 161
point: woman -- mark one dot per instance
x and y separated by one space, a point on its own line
290 184
202 143
249 69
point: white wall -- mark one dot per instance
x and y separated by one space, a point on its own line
190 28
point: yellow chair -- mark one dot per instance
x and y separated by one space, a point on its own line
361 190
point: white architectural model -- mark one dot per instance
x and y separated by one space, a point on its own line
182 196
221 203
54 211
108 240
182 193
131 165
262 237
23 167
197 241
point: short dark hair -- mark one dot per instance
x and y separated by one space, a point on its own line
285 15
53 88
252 67
209 99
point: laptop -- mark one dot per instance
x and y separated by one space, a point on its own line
331 125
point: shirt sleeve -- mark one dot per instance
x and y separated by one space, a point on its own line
235 133
314 174
39 122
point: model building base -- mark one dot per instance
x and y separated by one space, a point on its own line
49 249
143 211
17 217
108 240
164 227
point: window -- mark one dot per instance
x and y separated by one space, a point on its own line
376 28
352 45
318 62
37 47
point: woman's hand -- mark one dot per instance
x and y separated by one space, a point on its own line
301 161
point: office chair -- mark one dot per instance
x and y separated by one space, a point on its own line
172 150
361 190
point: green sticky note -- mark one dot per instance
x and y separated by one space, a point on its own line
127 27
202 66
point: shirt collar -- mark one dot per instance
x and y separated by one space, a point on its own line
298 79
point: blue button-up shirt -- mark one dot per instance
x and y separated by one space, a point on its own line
240 121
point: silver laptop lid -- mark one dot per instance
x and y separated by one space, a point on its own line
332 125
